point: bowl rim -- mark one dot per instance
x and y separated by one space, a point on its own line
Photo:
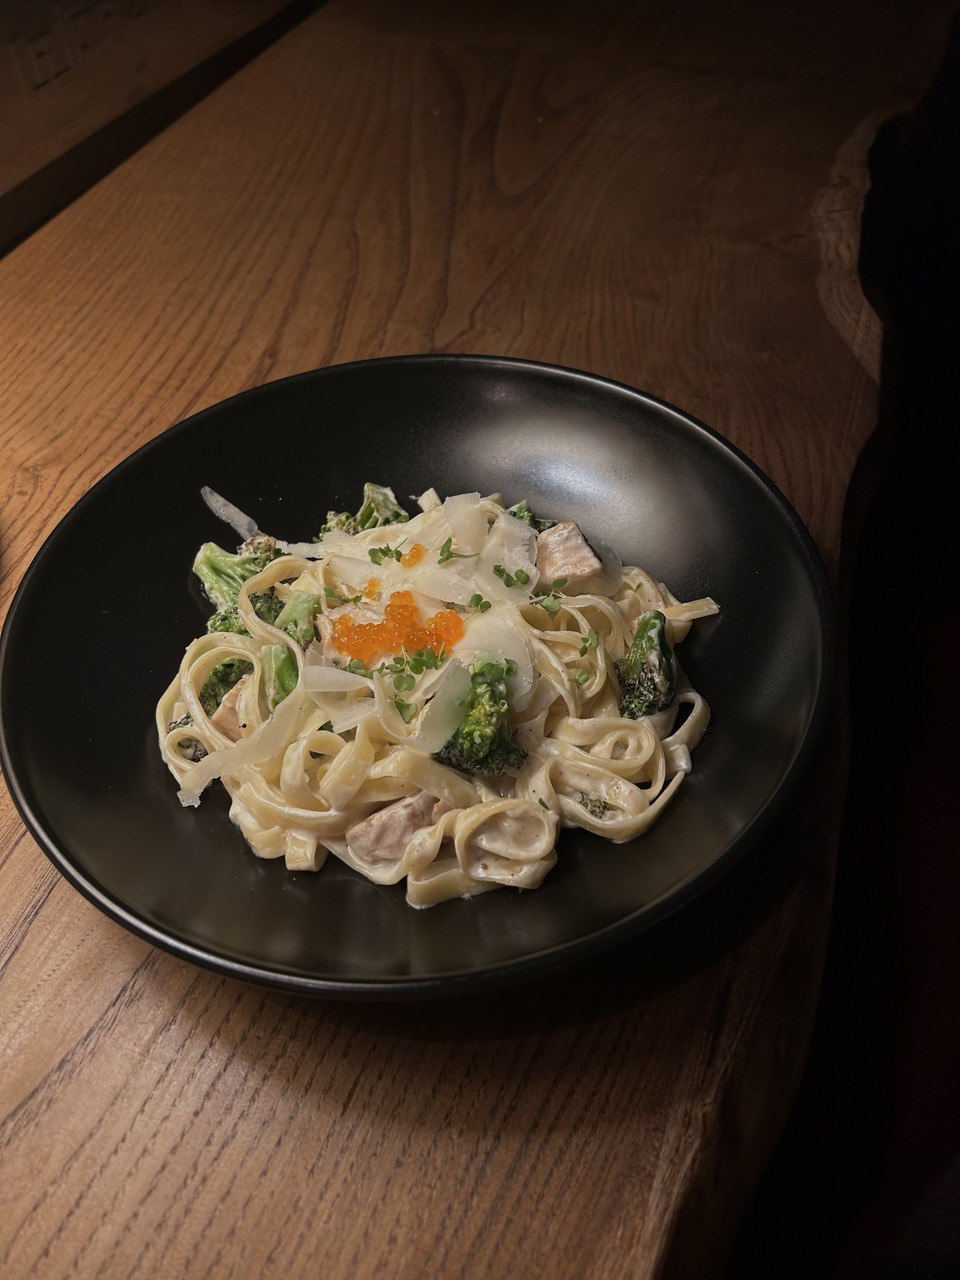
536 963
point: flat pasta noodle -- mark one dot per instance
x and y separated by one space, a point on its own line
347 705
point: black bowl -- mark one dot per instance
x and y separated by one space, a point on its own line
102 616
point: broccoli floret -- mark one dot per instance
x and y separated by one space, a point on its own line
296 617
227 619
221 680
521 511
648 670
223 574
379 507
266 605
342 520
482 743
279 672
191 749
260 545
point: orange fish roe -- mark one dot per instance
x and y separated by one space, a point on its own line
372 589
400 629
414 555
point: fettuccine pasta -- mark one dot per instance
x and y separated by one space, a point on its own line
431 699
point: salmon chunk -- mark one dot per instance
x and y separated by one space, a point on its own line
386 833
226 718
563 552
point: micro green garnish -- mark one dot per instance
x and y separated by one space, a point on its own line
407 709
326 727
510 667
425 660
477 602
415 663
581 675
543 802
519 577
589 643
546 596
379 554
447 553
332 594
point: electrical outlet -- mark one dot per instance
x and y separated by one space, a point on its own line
42 58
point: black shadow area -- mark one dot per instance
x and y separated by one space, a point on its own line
861 1184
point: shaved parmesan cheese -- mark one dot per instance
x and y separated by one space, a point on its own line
466 520
238 520
502 632
269 740
343 712
428 500
317 679
444 711
306 550
356 573
453 583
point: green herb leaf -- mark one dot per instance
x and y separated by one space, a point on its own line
590 642
333 595
379 554
407 709
447 553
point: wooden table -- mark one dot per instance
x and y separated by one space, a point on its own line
670 201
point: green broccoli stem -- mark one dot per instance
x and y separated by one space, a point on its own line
296 617
279 673
648 670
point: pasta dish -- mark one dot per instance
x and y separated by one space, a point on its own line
430 698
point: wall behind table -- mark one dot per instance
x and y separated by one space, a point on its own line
83 84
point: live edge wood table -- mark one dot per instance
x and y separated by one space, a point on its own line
671 201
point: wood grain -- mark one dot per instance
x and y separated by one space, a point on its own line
667 200
101 60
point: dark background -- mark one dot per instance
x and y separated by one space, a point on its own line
866 1180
